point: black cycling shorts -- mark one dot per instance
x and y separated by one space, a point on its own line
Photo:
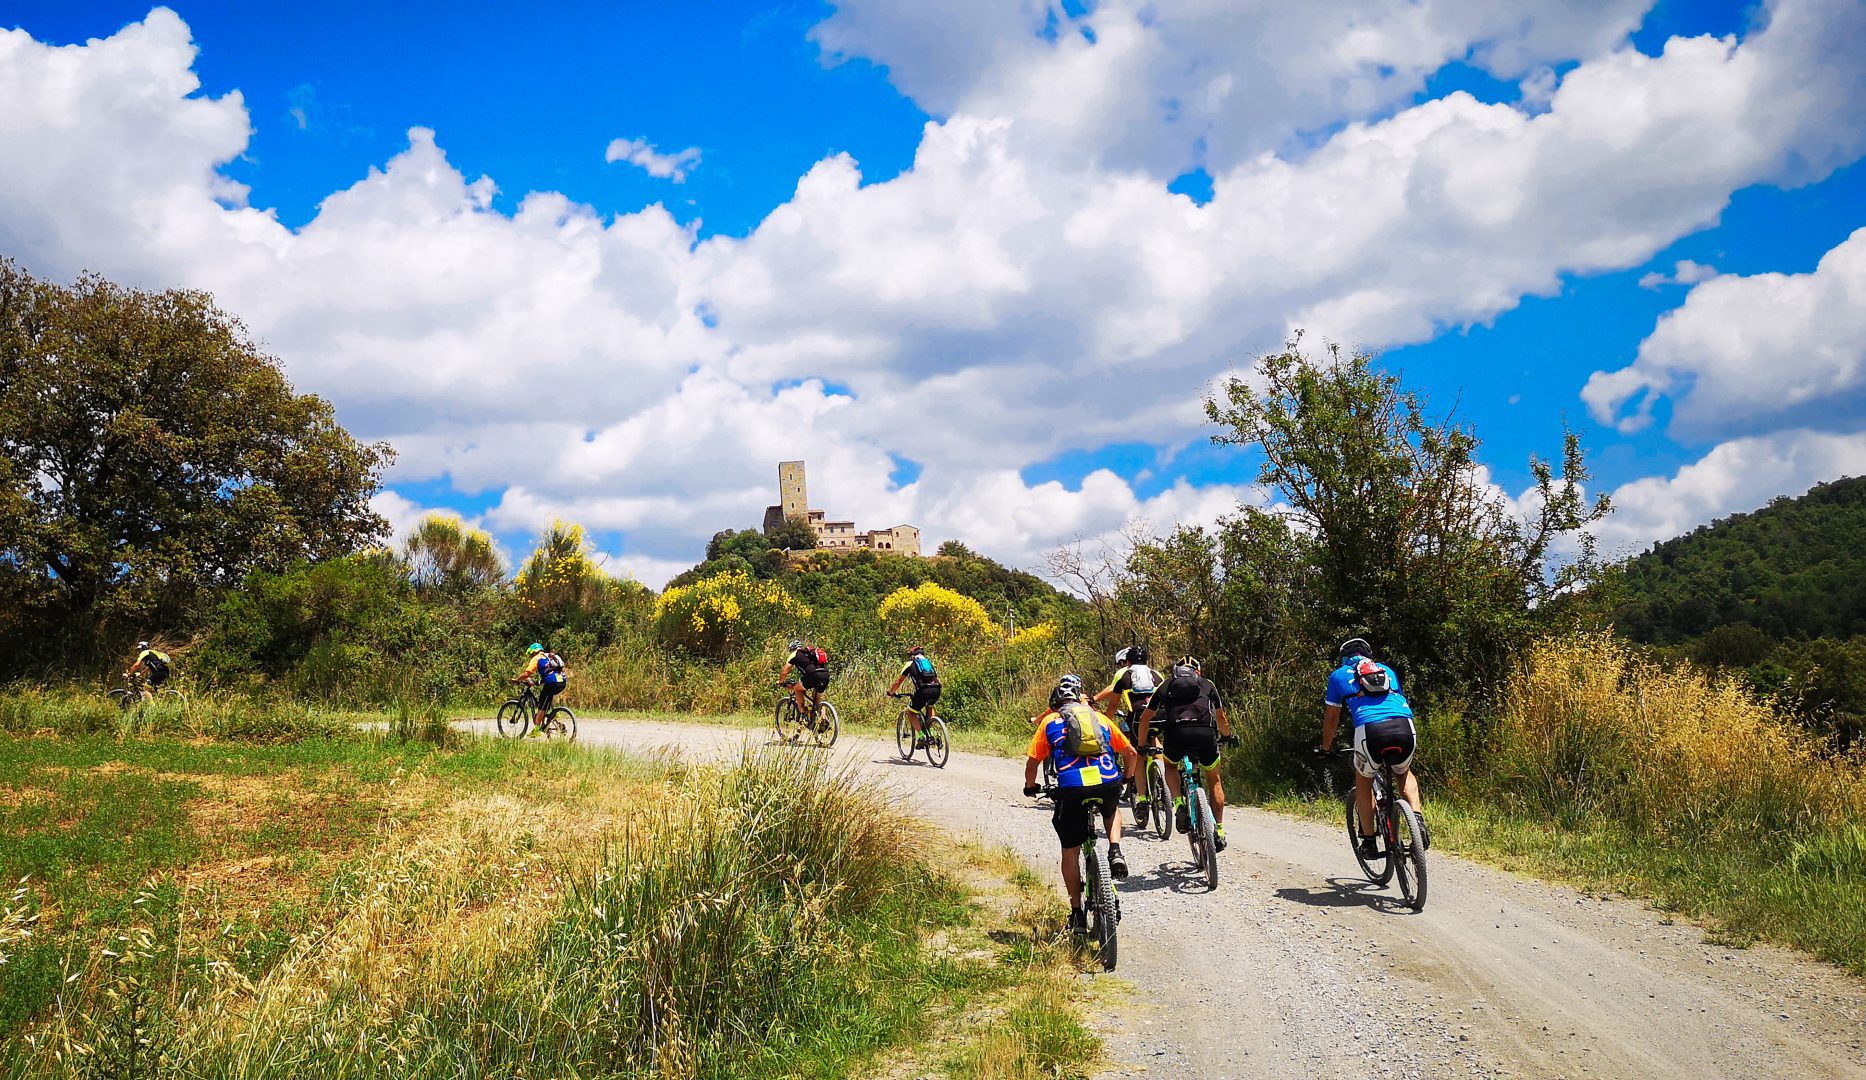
1071 818
816 679
1200 742
923 697
547 692
1393 741
158 676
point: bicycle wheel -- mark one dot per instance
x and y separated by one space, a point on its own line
124 699
1208 837
828 725
1104 912
562 722
938 749
513 718
1380 868
904 734
1161 800
1408 856
783 721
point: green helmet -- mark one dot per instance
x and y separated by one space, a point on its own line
534 647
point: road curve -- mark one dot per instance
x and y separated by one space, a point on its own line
1295 968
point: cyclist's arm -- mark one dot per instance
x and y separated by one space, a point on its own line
1331 719
1218 711
1031 765
1130 760
784 674
1146 721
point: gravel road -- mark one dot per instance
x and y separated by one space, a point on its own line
1294 967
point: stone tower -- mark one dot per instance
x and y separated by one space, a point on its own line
793 495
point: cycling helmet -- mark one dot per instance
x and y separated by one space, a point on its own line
534 647
1120 658
1061 696
142 644
916 651
1353 647
1138 655
1190 663
1072 681
795 645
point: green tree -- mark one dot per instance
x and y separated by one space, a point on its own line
1408 541
794 533
444 553
151 454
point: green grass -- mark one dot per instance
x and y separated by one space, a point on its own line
367 905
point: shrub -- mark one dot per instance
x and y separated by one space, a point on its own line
937 617
720 616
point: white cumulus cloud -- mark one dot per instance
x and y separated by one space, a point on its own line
642 154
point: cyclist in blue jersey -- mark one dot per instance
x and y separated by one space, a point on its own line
1081 775
1382 719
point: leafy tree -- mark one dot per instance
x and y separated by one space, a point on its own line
150 454
794 534
1407 540
953 549
444 553
560 585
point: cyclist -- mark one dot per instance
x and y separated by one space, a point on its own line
1127 696
812 667
1080 778
1382 719
1192 724
151 663
547 668
926 689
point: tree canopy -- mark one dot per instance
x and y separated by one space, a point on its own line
150 454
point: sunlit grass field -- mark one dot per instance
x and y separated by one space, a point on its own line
405 901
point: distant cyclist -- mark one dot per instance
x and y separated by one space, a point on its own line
812 667
1192 719
547 669
1091 757
919 668
1382 719
153 665
1127 697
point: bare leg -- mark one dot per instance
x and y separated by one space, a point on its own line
1409 787
1112 822
1217 788
1364 803
1072 876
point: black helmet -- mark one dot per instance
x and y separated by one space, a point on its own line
1138 654
1354 646
1061 696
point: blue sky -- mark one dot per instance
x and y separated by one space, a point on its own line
1574 224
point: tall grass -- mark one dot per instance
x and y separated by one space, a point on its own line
758 920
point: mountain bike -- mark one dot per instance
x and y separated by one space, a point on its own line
1203 835
516 715
1159 798
130 694
932 735
790 723
1103 906
1396 834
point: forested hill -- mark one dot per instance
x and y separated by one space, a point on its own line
1794 569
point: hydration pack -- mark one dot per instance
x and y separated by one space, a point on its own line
1140 679
923 672
551 668
1371 678
1082 732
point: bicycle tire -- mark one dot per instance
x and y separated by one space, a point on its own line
1409 858
1103 911
939 751
1208 838
786 708
1162 801
904 734
561 721
513 719
124 699
827 727
1378 870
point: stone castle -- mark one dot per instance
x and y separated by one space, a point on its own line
794 501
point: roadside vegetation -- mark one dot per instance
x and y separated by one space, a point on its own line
367 905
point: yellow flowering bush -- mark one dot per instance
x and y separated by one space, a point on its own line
560 580
937 617
1034 638
719 616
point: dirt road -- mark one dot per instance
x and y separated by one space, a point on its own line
1295 968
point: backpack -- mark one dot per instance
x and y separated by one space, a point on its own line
1371 678
551 668
923 672
822 657
1140 679
158 667
1082 731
